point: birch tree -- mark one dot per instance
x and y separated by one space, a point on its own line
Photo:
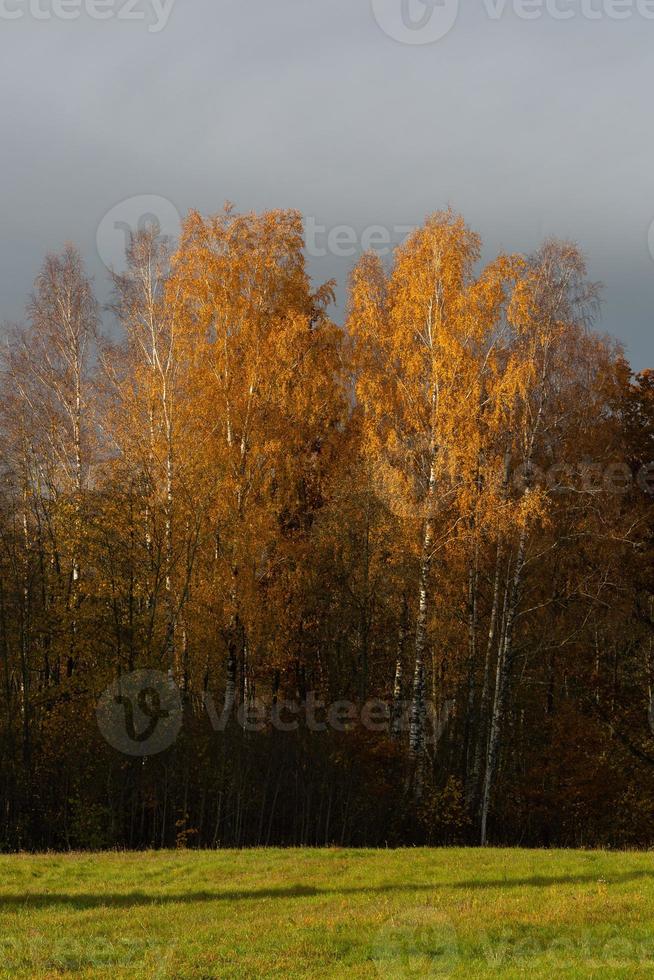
421 332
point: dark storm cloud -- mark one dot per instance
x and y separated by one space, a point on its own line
530 127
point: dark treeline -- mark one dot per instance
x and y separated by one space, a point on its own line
425 538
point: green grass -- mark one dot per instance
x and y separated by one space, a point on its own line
336 913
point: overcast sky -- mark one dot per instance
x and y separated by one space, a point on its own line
529 127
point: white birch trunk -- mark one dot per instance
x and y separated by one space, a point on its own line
503 670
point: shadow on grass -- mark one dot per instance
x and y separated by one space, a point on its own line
129 899
538 881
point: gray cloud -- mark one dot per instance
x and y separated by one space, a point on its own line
529 128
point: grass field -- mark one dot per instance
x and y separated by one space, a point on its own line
336 913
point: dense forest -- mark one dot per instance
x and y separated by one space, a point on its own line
396 575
